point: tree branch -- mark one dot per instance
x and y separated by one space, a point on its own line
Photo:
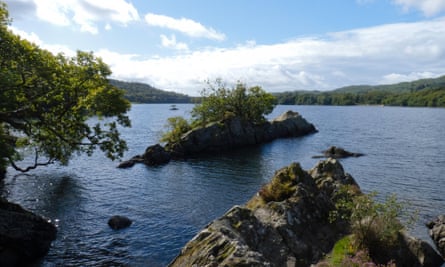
36 163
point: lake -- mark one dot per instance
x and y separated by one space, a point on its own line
405 154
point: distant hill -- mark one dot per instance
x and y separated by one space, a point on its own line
143 93
403 87
420 93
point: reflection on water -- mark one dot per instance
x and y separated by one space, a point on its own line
169 204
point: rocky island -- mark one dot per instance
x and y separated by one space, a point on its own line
287 223
225 135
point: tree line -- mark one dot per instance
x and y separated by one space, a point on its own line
420 98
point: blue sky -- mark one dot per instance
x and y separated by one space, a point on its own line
281 45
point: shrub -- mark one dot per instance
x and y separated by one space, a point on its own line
177 127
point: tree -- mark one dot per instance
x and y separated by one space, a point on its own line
47 103
219 103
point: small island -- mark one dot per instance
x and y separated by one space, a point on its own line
226 119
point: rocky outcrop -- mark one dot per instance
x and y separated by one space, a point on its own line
437 233
153 156
234 133
222 136
287 224
24 236
117 222
338 153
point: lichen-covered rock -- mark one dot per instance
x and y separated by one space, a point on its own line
291 230
287 224
24 236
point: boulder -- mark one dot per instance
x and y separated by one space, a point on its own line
437 233
119 222
338 153
24 236
156 155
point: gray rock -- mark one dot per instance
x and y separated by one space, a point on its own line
24 236
156 155
234 133
437 233
338 153
287 224
119 222
292 230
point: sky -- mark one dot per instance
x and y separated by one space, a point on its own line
281 45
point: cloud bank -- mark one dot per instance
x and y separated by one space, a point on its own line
383 54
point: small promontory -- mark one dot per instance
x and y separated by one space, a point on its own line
288 223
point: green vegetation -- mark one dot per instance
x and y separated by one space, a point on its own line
375 229
421 93
144 93
219 103
46 101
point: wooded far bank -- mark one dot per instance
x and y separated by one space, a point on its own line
419 93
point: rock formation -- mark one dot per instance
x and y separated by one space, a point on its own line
287 224
437 233
225 135
24 236
338 153
117 222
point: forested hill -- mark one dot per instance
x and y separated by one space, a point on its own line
143 93
423 84
420 93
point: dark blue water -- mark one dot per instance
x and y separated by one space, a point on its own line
405 154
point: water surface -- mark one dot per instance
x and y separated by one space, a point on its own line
405 154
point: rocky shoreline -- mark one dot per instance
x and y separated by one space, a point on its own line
24 236
290 227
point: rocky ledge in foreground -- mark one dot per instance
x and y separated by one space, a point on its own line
225 135
287 224
24 236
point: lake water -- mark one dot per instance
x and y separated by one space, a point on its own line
405 154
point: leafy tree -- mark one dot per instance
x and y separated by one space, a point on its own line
219 103
47 102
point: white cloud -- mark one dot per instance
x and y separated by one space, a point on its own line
84 13
428 7
34 38
375 55
172 43
183 25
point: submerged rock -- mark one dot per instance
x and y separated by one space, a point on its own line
24 236
287 224
119 222
338 153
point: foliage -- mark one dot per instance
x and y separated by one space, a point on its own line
219 103
177 127
46 102
375 225
144 93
